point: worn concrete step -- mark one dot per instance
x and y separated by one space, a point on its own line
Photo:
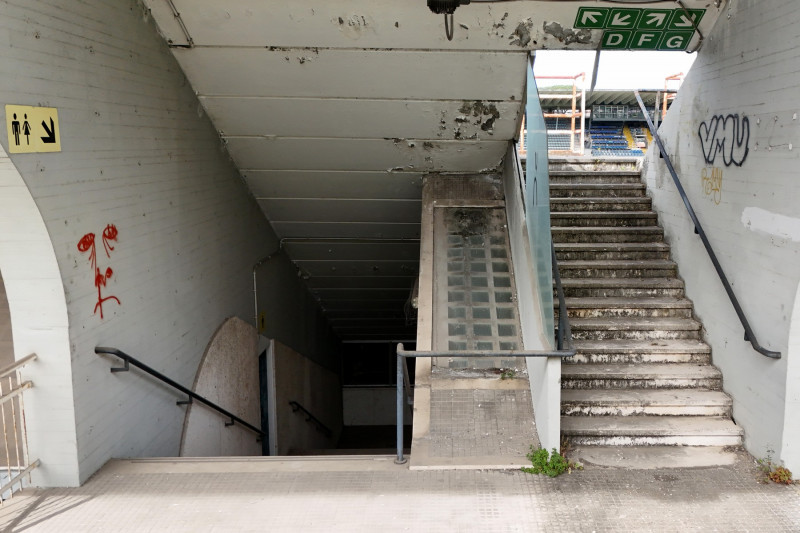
627 307
607 176
651 431
654 402
600 204
640 376
640 351
597 190
655 457
625 287
608 234
658 328
619 251
589 165
581 219
648 268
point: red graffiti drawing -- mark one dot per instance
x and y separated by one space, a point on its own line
87 244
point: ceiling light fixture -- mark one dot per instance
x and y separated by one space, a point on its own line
446 8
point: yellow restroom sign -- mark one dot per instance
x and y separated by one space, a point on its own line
32 129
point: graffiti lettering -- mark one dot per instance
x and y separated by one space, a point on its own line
87 244
729 136
712 184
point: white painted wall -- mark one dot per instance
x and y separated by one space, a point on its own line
750 66
138 153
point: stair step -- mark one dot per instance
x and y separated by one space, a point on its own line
662 328
640 376
627 307
597 190
579 219
648 234
640 351
595 203
655 402
611 176
651 430
618 251
625 287
649 268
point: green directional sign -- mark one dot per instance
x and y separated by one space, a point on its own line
655 19
681 21
591 18
675 40
641 29
623 19
617 39
645 40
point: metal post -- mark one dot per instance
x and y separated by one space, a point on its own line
400 459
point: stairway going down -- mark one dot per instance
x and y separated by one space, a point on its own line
642 375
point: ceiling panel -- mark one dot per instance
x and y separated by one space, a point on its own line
381 74
334 184
346 118
353 251
351 267
362 282
365 154
339 210
348 230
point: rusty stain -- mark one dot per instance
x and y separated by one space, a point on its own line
522 34
427 145
567 35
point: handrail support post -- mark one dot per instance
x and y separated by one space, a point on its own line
123 368
400 459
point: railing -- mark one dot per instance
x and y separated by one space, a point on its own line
129 360
11 402
311 418
402 354
698 228
564 332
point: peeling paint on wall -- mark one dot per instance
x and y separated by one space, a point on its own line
522 34
768 223
567 35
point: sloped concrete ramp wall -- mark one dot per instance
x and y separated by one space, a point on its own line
228 377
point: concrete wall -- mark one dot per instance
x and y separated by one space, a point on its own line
142 164
227 376
743 184
316 388
371 406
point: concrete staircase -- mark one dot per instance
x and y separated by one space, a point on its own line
642 375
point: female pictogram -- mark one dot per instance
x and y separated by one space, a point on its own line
87 244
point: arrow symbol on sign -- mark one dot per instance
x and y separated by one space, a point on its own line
656 19
685 22
51 132
591 16
620 19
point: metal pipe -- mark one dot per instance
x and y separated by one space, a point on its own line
16 365
748 333
400 459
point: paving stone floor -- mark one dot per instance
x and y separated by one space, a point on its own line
332 495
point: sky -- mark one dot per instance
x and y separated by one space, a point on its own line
617 70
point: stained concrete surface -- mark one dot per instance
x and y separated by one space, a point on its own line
373 494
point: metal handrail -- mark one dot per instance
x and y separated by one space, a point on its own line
328 432
402 354
16 365
129 360
748 332
564 335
